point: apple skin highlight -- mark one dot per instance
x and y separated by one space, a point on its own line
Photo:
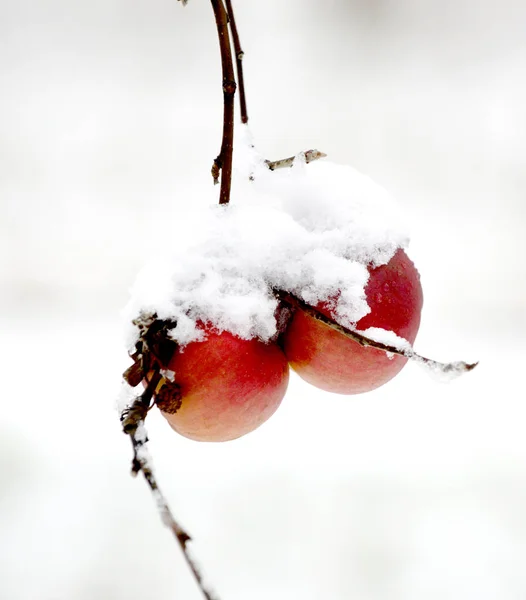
332 362
229 386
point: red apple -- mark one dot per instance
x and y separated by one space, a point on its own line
228 386
331 361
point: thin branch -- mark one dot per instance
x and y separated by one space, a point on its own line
223 162
239 62
458 367
132 419
309 156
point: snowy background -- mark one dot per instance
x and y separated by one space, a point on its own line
110 116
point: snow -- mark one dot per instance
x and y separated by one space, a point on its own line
388 338
125 396
141 435
310 230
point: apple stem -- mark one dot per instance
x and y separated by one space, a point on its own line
239 62
223 162
457 367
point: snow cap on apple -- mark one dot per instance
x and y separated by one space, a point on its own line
312 230
322 233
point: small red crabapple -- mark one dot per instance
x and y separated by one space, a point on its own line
225 386
330 361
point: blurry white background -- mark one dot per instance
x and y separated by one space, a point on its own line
110 116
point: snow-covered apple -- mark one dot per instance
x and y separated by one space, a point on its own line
224 386
321 236
331 361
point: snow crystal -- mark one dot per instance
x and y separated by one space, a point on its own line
310 230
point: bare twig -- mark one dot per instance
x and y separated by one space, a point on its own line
132 419
239 62
223 162
309 156
451 368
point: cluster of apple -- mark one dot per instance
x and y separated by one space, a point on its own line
223 386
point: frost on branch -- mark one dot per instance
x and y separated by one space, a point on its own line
132 419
